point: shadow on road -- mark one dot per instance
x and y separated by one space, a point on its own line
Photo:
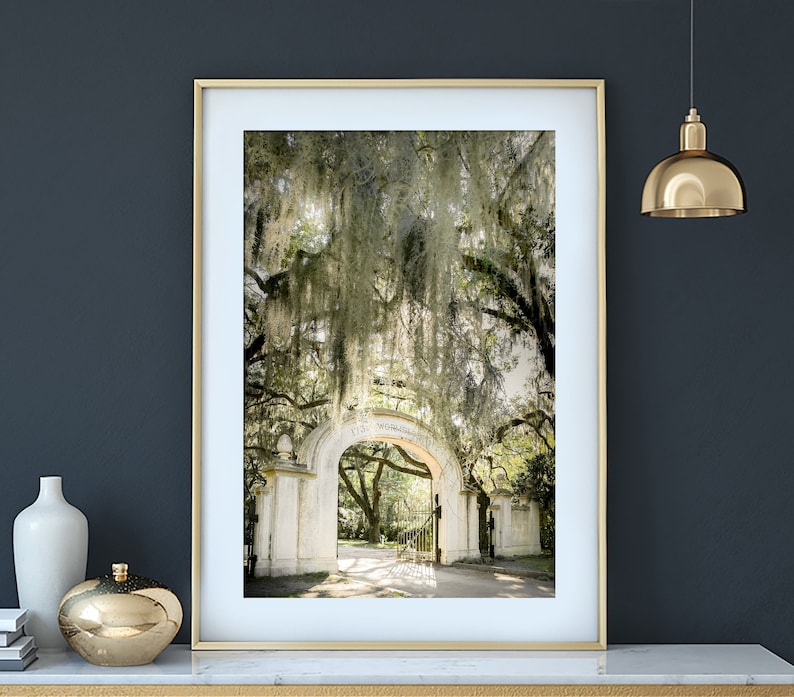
370 572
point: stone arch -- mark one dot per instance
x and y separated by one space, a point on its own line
302 495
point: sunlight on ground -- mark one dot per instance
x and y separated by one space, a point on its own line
367 572
421 573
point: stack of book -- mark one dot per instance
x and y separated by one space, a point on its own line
17 650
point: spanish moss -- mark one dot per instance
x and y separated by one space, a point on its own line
411 270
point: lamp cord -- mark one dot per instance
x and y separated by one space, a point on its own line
692 54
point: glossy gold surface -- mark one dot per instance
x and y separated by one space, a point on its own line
119 619
119 571
693 183
692 133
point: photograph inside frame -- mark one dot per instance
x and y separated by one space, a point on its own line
399 364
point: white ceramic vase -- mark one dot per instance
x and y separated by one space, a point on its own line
50 555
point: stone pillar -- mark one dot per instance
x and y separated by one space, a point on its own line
460 523
534 527
263 527
288 533
473 531
502 513
286 514
525 533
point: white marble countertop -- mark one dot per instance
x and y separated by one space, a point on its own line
702 664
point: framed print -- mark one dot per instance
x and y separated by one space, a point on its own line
399 434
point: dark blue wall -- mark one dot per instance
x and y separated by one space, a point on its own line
95 271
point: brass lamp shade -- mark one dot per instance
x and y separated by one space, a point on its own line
693 183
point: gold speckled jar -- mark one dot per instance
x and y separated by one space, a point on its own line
119 619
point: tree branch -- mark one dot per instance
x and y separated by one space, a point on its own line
411 460
535 310
534 419
422 472
362 504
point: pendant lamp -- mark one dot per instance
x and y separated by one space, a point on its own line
693 183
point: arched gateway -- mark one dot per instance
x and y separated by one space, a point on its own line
297 509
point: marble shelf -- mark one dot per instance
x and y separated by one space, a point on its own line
746 664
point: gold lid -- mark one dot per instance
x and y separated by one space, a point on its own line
120 571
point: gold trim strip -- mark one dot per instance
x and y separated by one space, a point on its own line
602 366
395 646
399 83
198 131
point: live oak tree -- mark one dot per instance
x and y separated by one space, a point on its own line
412 270
376 477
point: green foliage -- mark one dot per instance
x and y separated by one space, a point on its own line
411 270
351 523
375 478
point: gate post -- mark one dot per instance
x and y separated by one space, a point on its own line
502 512
437 516
491 528
470 511
286 536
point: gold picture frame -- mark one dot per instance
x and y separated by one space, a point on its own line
575 618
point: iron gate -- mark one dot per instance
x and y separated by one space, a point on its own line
418 533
